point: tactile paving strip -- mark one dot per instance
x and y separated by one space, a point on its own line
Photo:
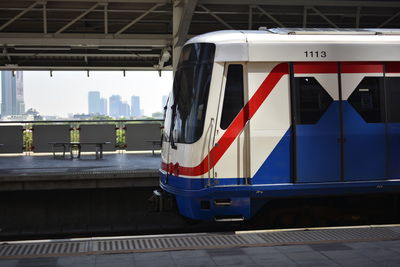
196 241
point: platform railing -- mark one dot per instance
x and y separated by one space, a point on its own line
120 133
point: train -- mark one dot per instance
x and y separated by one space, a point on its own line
281 113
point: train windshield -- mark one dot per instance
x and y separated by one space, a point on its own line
190 92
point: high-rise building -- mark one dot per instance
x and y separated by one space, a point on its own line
12 89
124 110
103 106
20 105
115 103
94 102
135 106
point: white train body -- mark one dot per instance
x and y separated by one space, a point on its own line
256 115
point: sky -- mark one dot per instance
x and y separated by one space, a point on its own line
67 91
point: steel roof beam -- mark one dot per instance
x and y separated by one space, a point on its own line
358 16
168 12
77 18
305 9
323 16
19 15
250 18
79 55
389 19
138 19
303 3
83 40
83 67
270 17
44 7
216 17
109 1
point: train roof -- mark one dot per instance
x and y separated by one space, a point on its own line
296 44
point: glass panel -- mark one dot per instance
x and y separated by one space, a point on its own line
234 98
312 100
367 99
190 91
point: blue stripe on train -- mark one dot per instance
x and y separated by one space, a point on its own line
247 199
276 169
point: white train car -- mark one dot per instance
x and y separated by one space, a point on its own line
256 115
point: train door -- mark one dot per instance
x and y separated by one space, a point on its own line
231 117
392 89
270 125
364 127
316 120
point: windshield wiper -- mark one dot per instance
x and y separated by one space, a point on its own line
171 136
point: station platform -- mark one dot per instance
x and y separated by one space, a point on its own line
43 172
339 246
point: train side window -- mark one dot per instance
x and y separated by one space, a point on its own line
234 95
367 99
311 99
393 98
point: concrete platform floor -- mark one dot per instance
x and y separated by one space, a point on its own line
378 253
46 164
377 245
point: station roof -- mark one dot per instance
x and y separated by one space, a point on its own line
142 34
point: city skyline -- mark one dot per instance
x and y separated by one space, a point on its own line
67 91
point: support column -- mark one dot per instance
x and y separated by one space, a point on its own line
182 17
176 22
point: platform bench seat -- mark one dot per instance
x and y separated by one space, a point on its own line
70 146
154 144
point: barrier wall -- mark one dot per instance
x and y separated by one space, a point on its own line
138 135
98 133
43 134
11 138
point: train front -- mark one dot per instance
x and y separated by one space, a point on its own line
188 128
190 149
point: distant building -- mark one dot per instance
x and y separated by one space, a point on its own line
34 113
21 117
20 92
157 115
124 110
12 90
103 106
94 102
115 103
135 106
81 116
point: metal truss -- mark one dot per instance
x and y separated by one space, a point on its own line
148 34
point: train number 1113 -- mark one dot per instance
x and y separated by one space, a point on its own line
315 53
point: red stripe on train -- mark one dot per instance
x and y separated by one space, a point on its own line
361 67
392 67
345 67
315 67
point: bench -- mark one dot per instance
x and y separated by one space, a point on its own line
70 146
154 144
